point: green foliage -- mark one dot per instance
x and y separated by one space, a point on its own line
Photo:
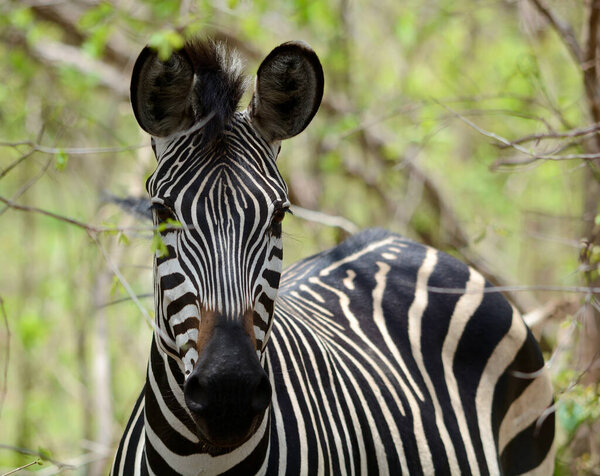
397 74
158 246
60 160
165 42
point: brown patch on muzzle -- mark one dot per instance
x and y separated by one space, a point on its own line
208 320
248 324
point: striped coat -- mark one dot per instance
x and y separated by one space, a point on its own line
380 366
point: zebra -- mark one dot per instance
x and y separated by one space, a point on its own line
378 356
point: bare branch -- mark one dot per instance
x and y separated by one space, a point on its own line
531 156
87 227
17 162
125 299
16 470
91 229
592 129
564 30
517 288
325 219
26 186
42 456
115 269
54 53
34 147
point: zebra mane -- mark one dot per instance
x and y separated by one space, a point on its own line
219 82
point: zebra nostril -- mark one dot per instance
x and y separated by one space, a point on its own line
196 396
262 395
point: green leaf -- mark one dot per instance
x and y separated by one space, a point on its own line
22 17
60 160
115 286
158 246
94 16
124 239
165 42
168 225
44 453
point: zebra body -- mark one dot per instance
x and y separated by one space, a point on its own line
437 382
379 356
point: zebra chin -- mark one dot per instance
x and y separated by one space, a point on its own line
228 391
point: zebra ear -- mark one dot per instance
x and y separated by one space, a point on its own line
162 93
288 92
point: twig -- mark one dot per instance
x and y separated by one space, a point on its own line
42 456
531 156
125 299
91 229
23 157
115 269
594 128
325 219
16 470
28 185
86 226
515 288
34 147
563 29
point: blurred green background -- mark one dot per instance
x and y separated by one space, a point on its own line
467 125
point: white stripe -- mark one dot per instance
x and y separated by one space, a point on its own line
128 437
276 415
525 410
344 302
303 427
415 325
464 310
503 355
174 422
355 256
189 465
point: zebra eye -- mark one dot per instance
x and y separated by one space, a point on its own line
163 212
276 219
279 215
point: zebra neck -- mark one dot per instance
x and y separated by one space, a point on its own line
172 444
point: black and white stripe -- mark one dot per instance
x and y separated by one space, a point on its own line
383 356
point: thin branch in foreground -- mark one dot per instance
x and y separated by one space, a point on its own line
85 226
35 147
592 129
42 456
125 299
23 157
531 156
11 166
325 219
30 183
516 288
134 297
16 470
91 229
564 30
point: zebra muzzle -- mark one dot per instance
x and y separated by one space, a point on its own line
228 390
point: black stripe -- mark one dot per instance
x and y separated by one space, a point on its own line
130 427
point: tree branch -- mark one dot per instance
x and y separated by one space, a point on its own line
325 219
592 129
564 30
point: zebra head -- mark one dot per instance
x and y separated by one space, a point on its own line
216 285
